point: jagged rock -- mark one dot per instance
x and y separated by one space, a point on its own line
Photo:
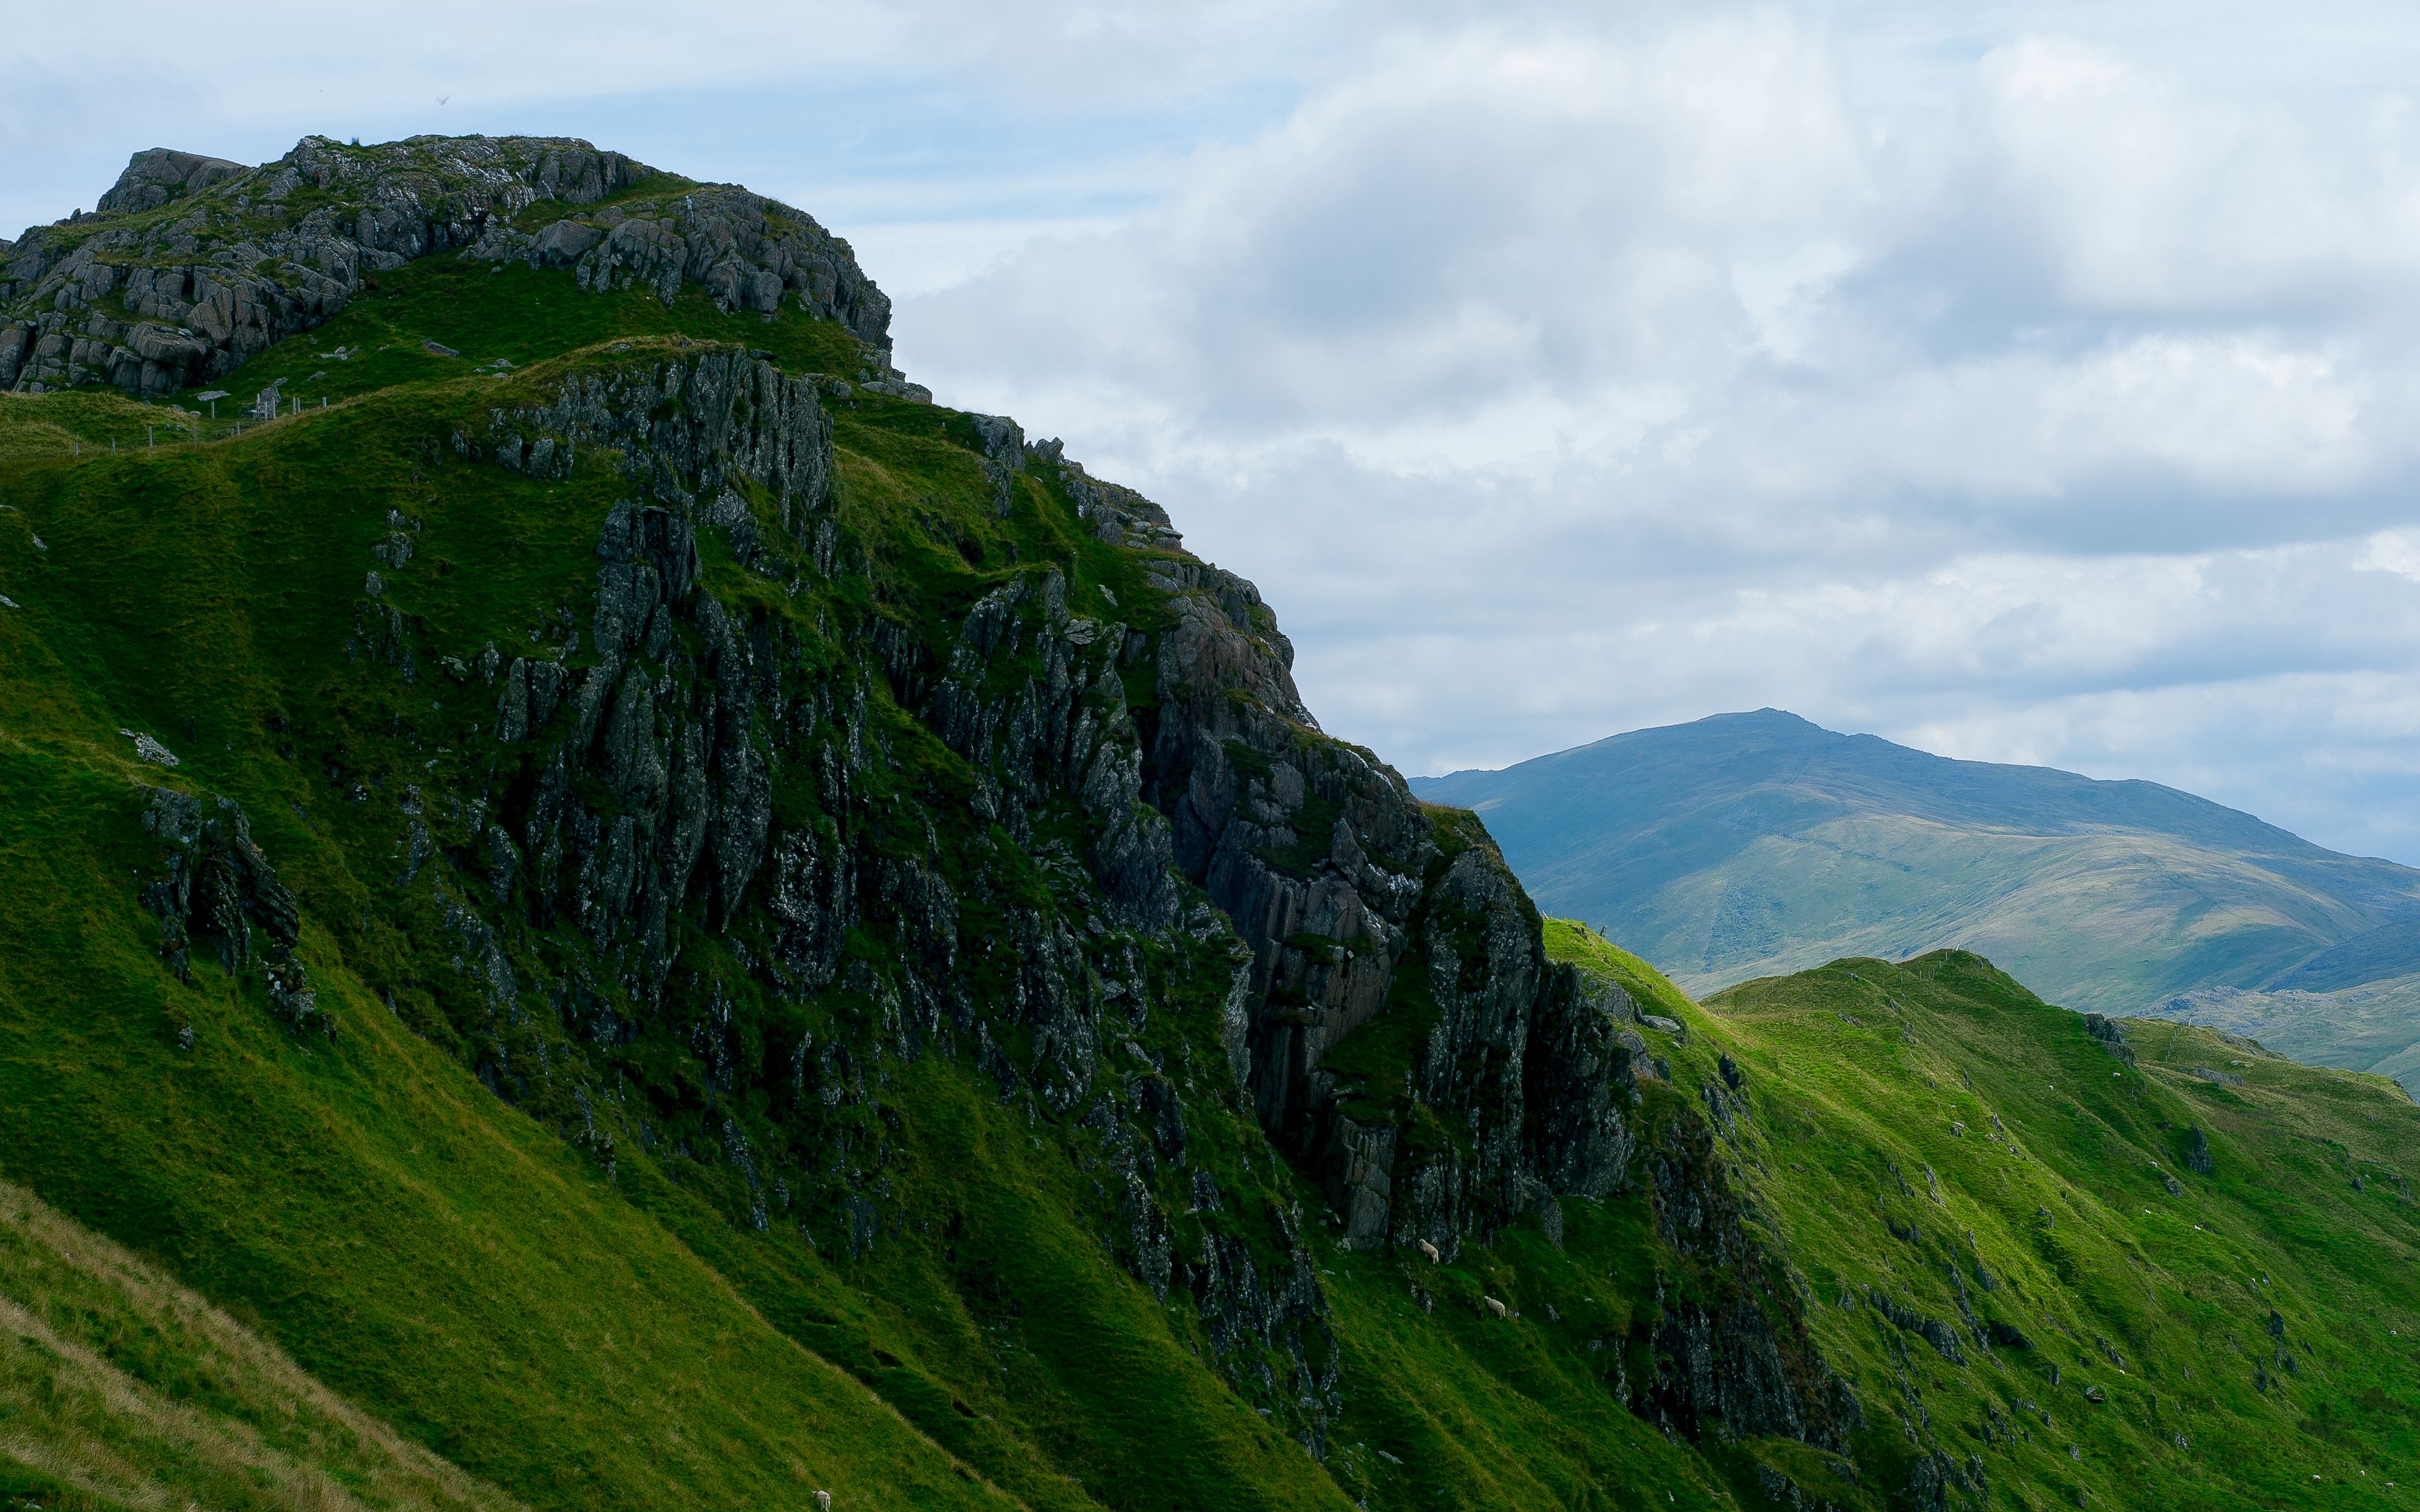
1577 1080
220 888
2111 1034
147 749
1930 1478
633 800
160 175
207 289
1166 1111
1724 1362
531 691
2197 1150
1360 1166
1779 1488
1943 1338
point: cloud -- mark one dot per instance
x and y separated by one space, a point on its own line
1554 380
2033 380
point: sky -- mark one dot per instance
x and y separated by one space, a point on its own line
2022 383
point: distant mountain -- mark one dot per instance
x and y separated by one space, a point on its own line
1752 844
603 905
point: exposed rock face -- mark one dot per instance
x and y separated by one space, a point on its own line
154 178
644 753
1336 879
219 889
1365 915
194 263
2111 1034
701 813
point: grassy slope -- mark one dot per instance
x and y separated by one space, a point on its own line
2110 922
405 1237
427 1250
1860 1073
436 1256
2372 1026
572 1340
114 1380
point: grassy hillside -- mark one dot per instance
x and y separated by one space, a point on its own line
1747 844
116 1382
2372 1026
1977 1192
622 915
589 1271
571 1334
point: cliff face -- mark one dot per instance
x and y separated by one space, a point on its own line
1354 906
196 263
811 767
1385 1013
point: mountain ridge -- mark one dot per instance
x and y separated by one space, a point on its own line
680 923
1745 844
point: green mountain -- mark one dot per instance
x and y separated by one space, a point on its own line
1747 844
602 905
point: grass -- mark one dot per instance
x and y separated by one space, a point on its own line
1925 1119
349 1270
137 1380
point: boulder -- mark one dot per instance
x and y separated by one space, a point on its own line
159 175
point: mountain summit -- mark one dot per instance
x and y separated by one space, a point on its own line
603 905
205 263
1751 843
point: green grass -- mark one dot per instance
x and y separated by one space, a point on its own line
134 1380
307 1269
1863 1068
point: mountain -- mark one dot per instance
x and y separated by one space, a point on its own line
1745 844
603 905
2084 1254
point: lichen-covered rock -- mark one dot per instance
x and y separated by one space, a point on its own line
194 263
155 176
219 888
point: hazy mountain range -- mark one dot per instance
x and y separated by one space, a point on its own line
1748 844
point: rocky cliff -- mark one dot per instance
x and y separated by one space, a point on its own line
193 264
811 768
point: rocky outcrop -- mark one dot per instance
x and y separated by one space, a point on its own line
998 826
1396 985
1354 908
196 263
154 178
2111 1034
220 891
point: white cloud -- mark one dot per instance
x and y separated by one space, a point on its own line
2030 381
1557 381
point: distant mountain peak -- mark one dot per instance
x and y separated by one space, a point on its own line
1750 842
